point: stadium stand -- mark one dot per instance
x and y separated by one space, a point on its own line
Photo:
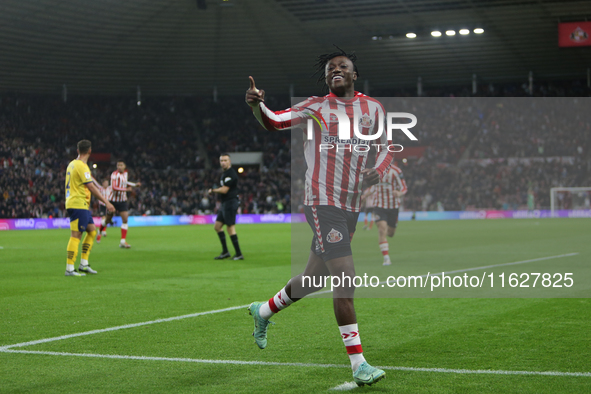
171 144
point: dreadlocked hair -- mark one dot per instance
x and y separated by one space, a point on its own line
322 60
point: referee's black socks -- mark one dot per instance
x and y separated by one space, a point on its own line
222 236
234 239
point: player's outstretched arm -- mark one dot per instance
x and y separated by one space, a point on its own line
254 96
270 120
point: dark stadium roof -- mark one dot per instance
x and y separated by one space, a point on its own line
190 46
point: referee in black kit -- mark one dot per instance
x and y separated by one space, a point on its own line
228 191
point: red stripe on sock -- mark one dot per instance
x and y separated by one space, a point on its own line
354 349
272 305
123 233
384 252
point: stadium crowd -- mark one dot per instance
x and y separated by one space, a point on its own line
172 145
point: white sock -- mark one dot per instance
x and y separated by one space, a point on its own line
274 305
350 335
387 259
69 267
265 311
83 262
356 360
384 248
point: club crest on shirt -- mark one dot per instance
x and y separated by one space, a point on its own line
334 236
365 121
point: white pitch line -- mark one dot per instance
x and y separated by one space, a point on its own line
345 386
308 365
475 268
2 348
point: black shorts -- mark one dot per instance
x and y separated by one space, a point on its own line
120 206
102 210
368 209
227 212
389 215
333 230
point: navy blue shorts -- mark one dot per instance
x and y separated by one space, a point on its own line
333 230
79 219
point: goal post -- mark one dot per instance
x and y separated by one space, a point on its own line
570 198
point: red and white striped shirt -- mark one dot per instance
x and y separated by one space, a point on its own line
106 192
370 197
119 184
391 180
334 176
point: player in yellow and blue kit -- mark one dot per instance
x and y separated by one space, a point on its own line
79 186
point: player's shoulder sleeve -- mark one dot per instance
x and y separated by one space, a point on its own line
83 171
310 102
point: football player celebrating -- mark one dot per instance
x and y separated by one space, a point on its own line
332 199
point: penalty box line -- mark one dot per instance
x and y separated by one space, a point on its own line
309 365
471 269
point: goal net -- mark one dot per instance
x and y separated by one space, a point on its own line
570 198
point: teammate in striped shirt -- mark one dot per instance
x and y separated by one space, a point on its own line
368 198
107 193
388 195
120 186
332 199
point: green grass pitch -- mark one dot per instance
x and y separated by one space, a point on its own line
431 345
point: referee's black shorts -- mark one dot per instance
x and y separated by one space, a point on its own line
333 230
227 212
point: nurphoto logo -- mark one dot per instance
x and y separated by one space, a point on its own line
361 142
